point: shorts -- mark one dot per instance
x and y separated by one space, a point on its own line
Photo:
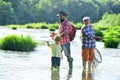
87 54
66 49
55 61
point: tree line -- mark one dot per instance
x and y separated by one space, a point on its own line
28 11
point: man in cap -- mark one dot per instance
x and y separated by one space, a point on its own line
64 30
88 44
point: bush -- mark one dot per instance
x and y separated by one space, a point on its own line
111 43
98 32
17 43
29 26
14 28
111 33
44 27
51 29
78 25
112 38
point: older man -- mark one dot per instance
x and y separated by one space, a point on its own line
88 43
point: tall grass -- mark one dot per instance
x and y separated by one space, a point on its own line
112 37
17 43
43 25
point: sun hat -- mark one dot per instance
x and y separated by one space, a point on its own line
62 13
86 18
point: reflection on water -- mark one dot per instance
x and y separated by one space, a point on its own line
86 76
55 75
69 75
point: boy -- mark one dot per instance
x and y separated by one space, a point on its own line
56 52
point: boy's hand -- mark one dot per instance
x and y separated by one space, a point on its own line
48 43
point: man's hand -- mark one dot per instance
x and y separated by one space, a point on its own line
62 35
98 38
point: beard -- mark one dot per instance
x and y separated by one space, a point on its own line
62 20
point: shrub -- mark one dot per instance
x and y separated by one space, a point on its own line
111 43
51 29
44 27
14 28
77 25
111 38
111 33
98 32
17 43
29 26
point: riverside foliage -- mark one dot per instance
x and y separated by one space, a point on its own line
17 43
30 11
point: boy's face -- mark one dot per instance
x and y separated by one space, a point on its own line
57 39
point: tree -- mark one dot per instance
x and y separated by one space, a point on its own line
7 14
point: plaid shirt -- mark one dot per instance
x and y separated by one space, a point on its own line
65 28
87 37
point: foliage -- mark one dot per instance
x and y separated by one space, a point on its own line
98 32
7 14
112 37
34 11
110 20
111 43
77 25
14 28
17 43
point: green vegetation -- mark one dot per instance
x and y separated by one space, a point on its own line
109 28
111 43
98 32
112 37
110 20
17 43
41 14
34 11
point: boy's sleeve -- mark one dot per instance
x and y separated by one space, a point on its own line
51 46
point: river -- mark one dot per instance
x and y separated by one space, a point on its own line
35 65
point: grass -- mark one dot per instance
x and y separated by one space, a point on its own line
17 43
43 25
112 37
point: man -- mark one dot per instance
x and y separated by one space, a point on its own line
64 29
88 44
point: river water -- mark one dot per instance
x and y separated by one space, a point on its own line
35 65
